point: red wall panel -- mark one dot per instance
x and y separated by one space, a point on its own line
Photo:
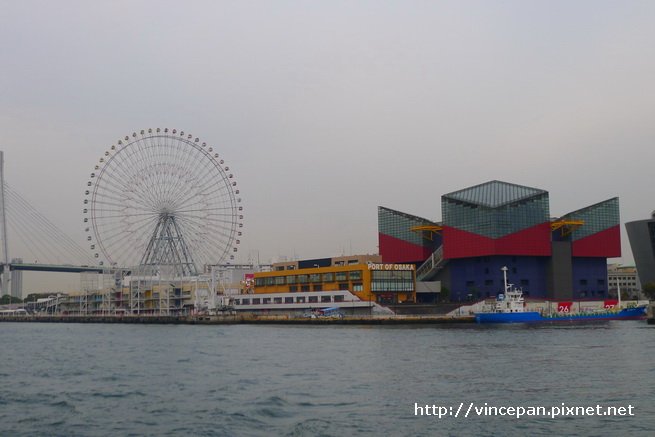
534 241
603 244
462 244
395 250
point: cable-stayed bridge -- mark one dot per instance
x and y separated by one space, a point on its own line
27 234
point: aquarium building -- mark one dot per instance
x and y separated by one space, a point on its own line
496 224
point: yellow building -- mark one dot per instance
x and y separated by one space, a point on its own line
376 282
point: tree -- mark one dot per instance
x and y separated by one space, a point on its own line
649 290
7 299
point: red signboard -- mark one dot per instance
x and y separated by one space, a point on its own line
610 303
564 307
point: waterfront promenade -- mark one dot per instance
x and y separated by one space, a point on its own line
232 319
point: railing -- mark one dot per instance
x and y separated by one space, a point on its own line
431 265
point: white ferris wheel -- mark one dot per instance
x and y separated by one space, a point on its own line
162 197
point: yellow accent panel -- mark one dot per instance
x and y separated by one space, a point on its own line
566 227
427 230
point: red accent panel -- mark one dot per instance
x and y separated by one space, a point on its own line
610 303
395 250
462 244
603 244
534 241
564 307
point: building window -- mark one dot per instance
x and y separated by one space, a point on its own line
328 277
259 282
291 279
583 282
279 280
358 286
293 288
355 275
341 276
325 299
343 286
338 298
300 299
302 279
266 300
270 281
288 300
392 281
315 278
256 301
277 300
318 287
245 302
304 288
313 299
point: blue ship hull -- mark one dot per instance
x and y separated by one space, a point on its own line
536 317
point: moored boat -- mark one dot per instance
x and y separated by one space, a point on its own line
510 307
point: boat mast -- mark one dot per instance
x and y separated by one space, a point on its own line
504 269
618 291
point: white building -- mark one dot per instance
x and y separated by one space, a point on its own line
625 278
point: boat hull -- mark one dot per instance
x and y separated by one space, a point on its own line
638 313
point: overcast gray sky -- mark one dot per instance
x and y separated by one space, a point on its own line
325 110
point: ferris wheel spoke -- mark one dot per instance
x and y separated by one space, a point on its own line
186 163
190 202
136 169
120 242
125 185
212 228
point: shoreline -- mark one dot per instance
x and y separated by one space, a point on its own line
244 319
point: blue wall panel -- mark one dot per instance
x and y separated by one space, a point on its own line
481 277
589 278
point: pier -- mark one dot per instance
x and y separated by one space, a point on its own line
234 319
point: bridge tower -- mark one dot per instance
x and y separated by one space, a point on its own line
6 275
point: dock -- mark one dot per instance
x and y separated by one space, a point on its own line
243 319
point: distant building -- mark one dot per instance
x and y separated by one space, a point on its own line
623 278
641 234
496 224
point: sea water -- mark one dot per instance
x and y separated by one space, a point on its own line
97 380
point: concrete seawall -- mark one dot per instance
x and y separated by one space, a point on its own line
243 319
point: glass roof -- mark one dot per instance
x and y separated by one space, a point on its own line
494 194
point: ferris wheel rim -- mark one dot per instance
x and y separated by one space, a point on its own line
162 183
